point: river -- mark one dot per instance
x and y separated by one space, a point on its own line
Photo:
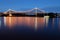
30 27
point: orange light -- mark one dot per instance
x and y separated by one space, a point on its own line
10 14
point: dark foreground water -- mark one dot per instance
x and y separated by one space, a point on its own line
30 28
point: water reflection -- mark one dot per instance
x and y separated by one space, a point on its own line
10 21
31 22
4 21
31 26
59 23
40 22
34 22
0 21
46 18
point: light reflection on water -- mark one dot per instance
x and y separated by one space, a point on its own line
42 27
31 22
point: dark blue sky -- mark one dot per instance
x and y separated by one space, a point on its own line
26 4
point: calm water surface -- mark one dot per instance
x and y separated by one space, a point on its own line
30 27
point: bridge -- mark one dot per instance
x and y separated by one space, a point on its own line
11 12
35 12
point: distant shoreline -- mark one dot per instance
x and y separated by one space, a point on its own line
52 15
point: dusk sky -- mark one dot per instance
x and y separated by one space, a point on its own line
26 4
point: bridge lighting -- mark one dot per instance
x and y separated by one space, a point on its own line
36 8
10 14
46 16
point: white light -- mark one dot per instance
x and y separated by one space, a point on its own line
0 23
36 23
36 8
5 21
46 20
10 14
46 16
